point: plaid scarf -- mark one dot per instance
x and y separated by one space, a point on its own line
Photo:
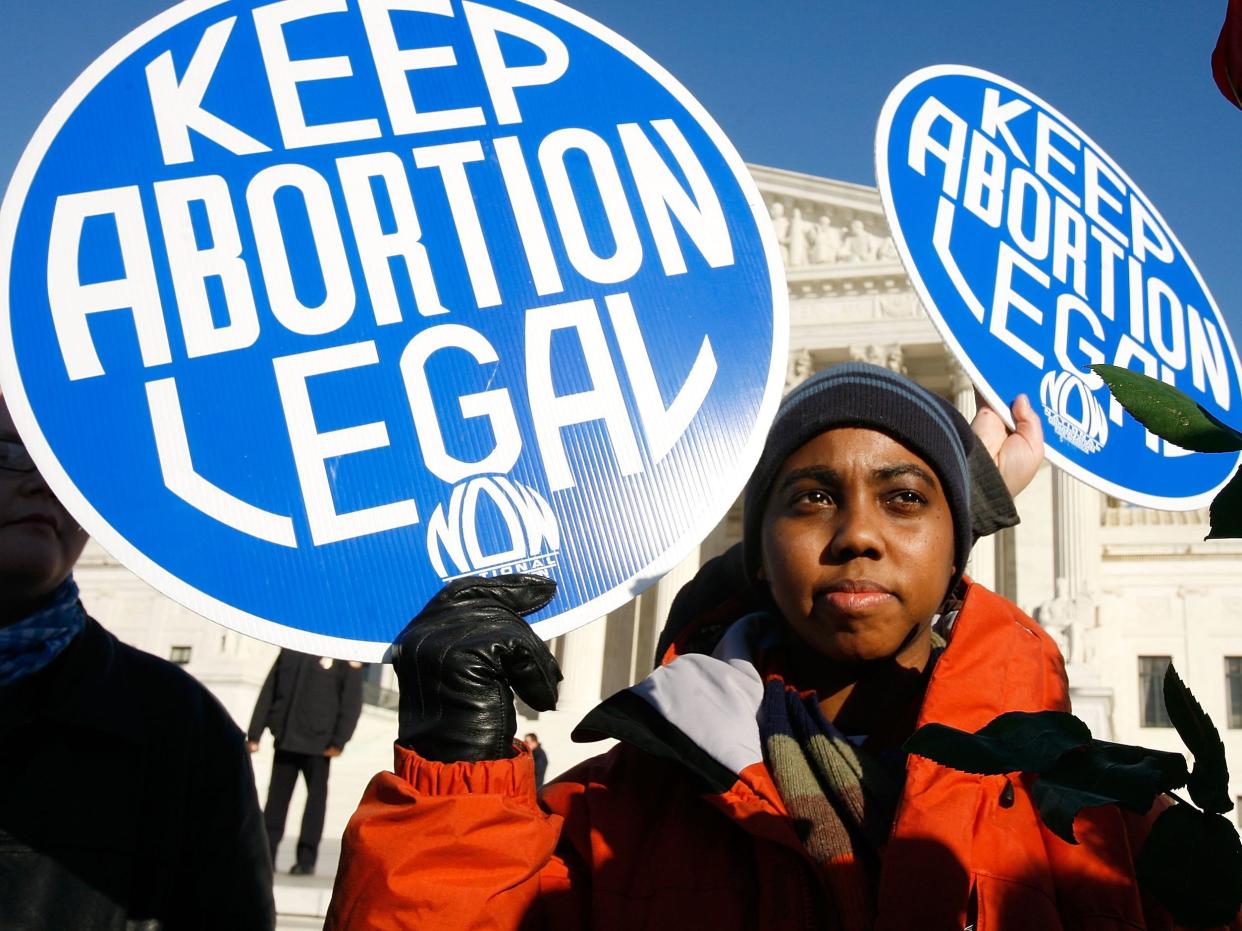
33 642
841 798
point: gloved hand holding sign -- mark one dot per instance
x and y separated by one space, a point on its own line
459 662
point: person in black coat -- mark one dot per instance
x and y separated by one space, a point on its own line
126 793
311 705
541 758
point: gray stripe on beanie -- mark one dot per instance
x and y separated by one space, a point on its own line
885 384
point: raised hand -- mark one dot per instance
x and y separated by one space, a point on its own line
1018 452
459 662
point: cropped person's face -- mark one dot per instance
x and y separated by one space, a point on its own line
857 545
39 541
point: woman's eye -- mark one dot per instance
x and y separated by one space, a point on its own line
815 498
907 498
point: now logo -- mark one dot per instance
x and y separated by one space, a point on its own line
1074 412
493 526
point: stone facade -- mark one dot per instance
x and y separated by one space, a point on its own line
1114 583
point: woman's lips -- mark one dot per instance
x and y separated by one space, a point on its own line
857 602
856 596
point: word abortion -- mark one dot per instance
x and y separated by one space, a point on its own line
1084 252
192 266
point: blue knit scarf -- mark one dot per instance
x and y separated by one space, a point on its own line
34 641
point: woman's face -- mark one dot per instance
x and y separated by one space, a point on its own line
857 546
39 541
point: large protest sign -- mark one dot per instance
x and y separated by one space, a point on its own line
1037 257
309 306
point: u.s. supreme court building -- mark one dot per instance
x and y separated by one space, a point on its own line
1124 590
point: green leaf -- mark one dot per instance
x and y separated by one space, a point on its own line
1209 783
1226 511
1167 412
1059 805
1191 863
1103 773
1017 741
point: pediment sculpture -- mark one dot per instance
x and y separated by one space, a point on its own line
836 236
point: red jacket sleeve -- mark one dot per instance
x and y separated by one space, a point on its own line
446 846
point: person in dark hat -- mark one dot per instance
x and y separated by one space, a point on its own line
759 780
311 704
126 794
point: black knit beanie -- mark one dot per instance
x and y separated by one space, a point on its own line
860 395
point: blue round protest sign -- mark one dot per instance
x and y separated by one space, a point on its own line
1036 256
309 306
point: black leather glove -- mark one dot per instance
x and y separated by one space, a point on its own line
459 662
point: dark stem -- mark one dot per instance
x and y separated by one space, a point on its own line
1181 800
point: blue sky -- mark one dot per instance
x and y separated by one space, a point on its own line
799 84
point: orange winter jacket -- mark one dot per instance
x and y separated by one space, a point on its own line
680 826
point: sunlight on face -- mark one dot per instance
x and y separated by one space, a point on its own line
857 545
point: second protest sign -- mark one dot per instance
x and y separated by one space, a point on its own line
1037 257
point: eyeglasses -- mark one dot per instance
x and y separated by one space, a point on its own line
14 457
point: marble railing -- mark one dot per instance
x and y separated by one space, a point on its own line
1123 515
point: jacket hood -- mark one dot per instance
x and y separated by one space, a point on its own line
699 709
702 709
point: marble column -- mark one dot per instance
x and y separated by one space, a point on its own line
1075 542
584 656
670 584
1006 549
582 665
1075 558
982 564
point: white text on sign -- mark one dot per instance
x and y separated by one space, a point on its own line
366 219
1072 219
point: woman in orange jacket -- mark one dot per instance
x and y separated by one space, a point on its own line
759 782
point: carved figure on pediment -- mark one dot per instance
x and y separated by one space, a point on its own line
1087 636
780 226
801 367
859 245
888 250
960 383
873 354
1057 617
890 356
827 241
897 305
799 239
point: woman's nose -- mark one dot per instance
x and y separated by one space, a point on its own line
856 533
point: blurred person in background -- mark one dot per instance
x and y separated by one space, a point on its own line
311 705
540 756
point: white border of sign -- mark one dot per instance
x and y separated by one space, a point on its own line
305 641
997 403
